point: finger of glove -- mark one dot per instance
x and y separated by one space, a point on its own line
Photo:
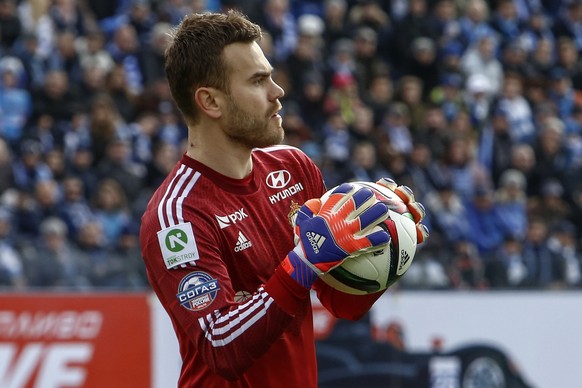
405 193
306 212
372 216
378 237
422 233
388 183
355 203
338 197
417 210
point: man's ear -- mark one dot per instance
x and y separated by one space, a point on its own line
208 101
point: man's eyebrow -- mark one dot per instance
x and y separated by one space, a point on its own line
262 74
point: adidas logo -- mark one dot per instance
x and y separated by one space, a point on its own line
405 258
242 243
316 240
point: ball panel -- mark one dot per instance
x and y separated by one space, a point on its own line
350 282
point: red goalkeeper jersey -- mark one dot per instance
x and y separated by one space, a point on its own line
212 246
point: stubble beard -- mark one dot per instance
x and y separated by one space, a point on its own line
252 130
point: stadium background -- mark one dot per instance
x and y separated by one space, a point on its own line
474 104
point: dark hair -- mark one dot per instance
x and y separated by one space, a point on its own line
194 58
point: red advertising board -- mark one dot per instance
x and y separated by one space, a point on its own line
75 340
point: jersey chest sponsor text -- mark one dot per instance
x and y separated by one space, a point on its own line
286 193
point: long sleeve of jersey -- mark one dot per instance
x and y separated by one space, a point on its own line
342 305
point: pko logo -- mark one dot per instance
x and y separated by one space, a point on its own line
197 290
231 219
278 179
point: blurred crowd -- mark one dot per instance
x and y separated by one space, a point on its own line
476 105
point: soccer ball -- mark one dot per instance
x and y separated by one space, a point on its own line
377 270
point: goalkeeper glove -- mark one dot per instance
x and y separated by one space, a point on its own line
412 206
330 232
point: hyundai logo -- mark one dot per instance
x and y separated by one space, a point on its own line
278 179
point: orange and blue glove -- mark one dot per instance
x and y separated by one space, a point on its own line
416 209
332 231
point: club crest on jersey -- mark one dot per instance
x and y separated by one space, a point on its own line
178 245
197 290
293 209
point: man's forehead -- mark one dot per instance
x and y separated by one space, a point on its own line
246 59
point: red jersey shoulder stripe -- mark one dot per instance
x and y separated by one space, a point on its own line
170 207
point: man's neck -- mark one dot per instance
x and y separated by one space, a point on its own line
220 154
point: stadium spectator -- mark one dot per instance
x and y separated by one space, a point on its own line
505 20
562 245
448 95
486 228
152 55
379 95
335 21
480 58
512 203
561 93
537 30
506 269
74 208
415 24
467 270
80 164
474 22
118 165
12 274
15 105
550 205
119 89
53 262
125 51
111 210
568 59
419 169
93 250
6 172
540 61
448 215
276 18
105 124
368 62
541 269
444 23
364 164
306 63
427 271
423 64
10 24
29 168
567 22
410 91
495 145
56 98
92 52
66 58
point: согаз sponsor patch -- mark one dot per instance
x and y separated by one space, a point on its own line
197 290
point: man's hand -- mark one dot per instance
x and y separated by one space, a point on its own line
330 232
415 208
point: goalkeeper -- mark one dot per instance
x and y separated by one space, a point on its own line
216 236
